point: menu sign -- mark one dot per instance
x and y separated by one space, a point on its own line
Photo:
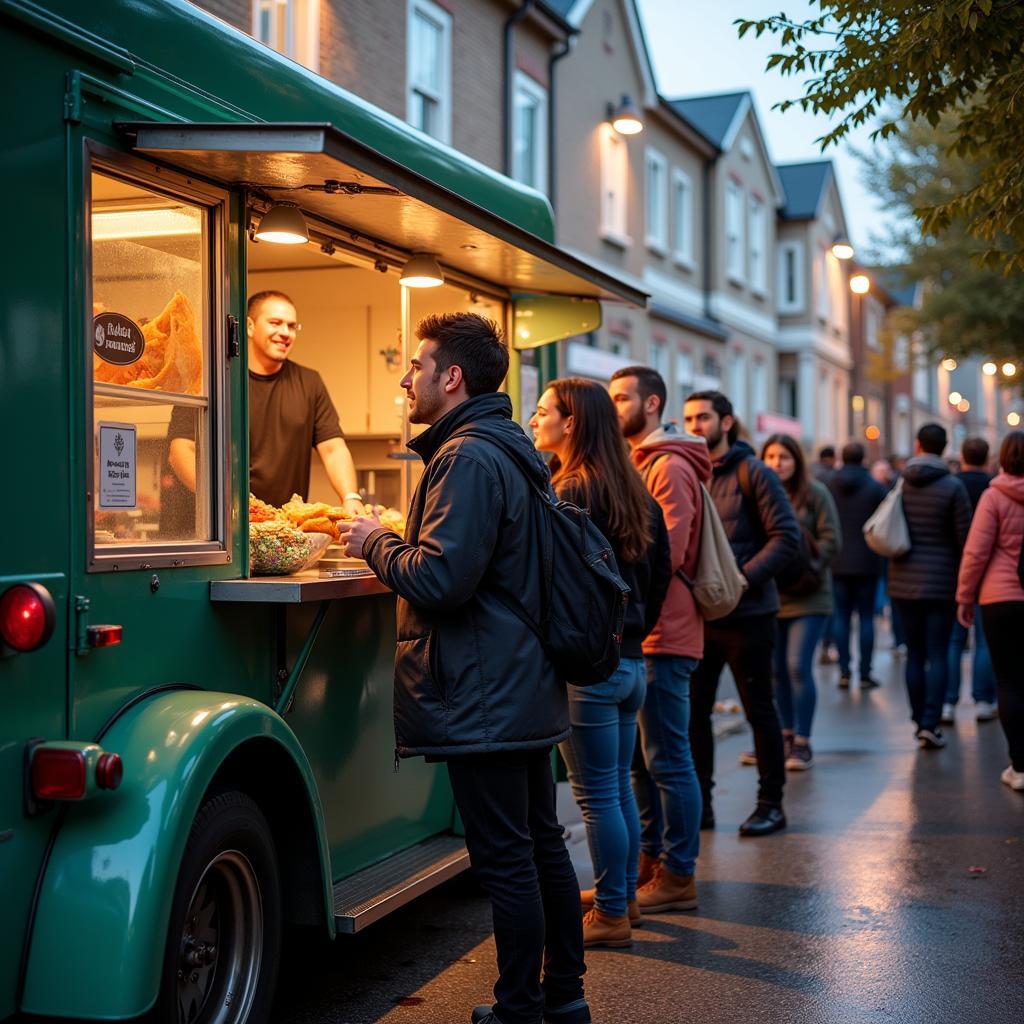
117 465
117 338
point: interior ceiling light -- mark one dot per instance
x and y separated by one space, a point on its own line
283 224
421 271
841 248
626 120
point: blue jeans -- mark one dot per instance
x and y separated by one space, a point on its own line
929 625
599 755
855 594
983 679
664 777
795 692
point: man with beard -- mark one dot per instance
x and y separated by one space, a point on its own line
673 466
764 537
473 684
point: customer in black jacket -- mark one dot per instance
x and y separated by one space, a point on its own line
923 581
764 537
856 568
473 686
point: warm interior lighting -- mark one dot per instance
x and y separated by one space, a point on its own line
114 225
860 284
857 401
283 224
963 405
1009 369
841 248
872 433
626 120
421 271
949 364
989 369
1013 418
955 398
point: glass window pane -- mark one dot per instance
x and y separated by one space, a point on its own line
426 50
150 274
525 140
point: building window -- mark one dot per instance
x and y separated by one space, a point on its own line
656 200
659 358
682 217
428 88
734 231
758 225
737 383
684 376
791 277
292 27
614 178
530 132
822 297
759 402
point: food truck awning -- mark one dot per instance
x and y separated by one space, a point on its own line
333 176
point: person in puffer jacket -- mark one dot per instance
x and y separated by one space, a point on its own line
764 537
922 583
992 575
473 684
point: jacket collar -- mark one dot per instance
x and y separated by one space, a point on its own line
494 405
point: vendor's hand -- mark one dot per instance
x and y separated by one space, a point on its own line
965 615
353 534
354 507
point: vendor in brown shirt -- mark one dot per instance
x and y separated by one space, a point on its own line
290 412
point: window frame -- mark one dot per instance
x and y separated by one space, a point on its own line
614 188
101 159
524 85
298 11
757 244
437 14
797 304
682 202
656 234
734 234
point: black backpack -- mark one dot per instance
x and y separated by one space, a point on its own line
583 604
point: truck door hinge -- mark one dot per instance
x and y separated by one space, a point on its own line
81 625
234 345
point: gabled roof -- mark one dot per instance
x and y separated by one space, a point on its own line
804 187
717 118
895 283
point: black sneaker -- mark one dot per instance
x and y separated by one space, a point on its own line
763 821
800 757
930 739
867 683
844 682
576 1012
485 1015
707 819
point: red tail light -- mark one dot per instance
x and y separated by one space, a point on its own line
58 774
27 616
109 771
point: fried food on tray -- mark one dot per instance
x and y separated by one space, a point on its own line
172 360
260 511
321 524
317 516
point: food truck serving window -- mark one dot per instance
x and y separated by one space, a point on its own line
157 488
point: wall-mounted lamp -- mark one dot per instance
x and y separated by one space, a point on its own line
283 224
948 364
860 284
841 248
626 119
421 271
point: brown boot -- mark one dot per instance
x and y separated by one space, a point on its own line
601 930
648 867
636 919
667 891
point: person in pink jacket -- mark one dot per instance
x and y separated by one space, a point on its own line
992 575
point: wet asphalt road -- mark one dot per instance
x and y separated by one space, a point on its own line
895 894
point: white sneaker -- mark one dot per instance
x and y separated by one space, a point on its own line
985 711
1013 779
948 716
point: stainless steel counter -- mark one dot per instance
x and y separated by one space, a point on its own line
302 588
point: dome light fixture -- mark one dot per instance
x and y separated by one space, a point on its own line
283 224
841 248
421 271
860 284
626 119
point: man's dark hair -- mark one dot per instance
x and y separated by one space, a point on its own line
257 300
853 454
974 451
932 438
471 342
648 382
722 406
828 452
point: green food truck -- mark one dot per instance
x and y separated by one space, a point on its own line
193 758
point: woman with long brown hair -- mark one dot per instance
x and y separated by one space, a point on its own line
590 466
805 593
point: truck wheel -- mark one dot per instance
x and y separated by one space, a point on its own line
220 964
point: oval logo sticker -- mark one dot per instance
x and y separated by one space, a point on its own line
117 338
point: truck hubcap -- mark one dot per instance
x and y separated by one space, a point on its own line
221 944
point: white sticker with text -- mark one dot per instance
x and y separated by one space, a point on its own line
117 465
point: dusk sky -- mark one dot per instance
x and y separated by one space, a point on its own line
695 49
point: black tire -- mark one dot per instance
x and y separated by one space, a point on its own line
224 939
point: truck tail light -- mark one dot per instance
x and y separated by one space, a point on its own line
27 616
58 774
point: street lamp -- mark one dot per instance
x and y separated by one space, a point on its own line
949 364
989 369
963 405
860 284
1009 369
955 398
1013 418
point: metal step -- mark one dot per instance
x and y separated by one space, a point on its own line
374 892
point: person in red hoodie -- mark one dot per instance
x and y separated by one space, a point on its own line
992 575
668 794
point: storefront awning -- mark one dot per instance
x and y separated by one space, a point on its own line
333 176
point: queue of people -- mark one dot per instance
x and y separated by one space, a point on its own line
476 687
